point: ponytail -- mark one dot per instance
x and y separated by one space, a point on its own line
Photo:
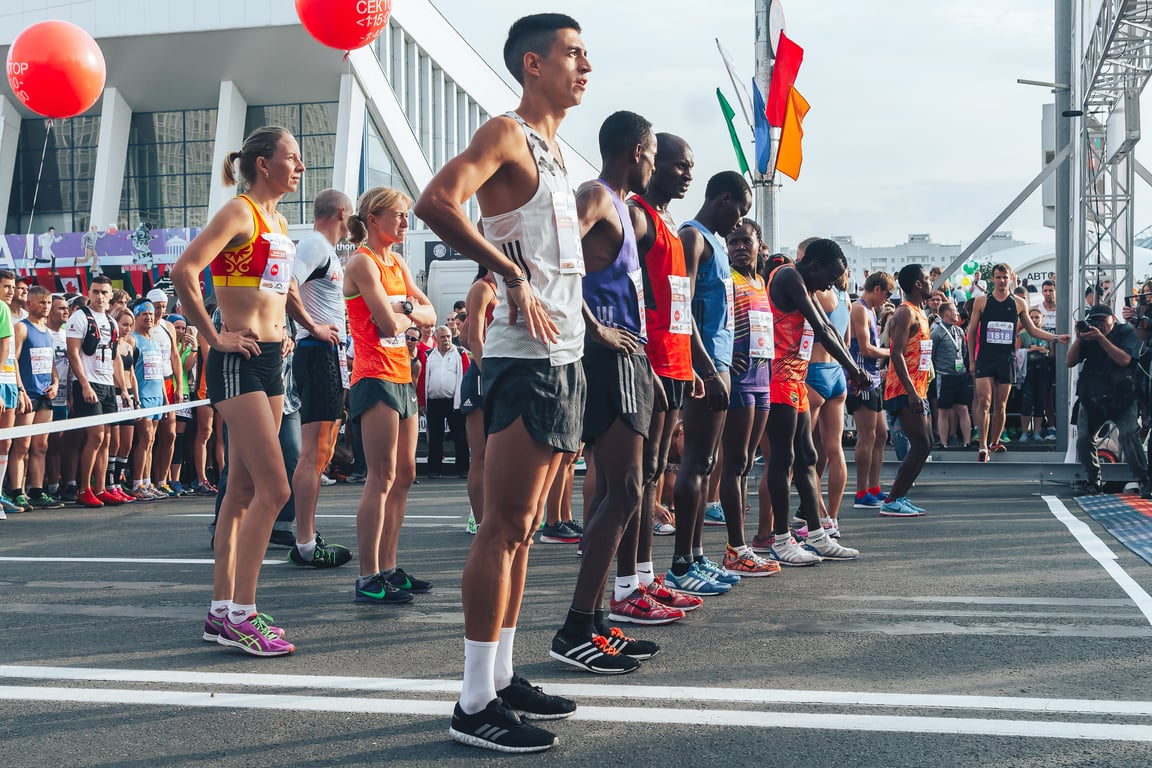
357 229
229 172
262 142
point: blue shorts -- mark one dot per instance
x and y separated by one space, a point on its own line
738 397
827 379
59 412
8 395
153 402
471 391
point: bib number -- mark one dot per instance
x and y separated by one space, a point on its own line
41 360
568 232
345 381
637 278
392 342
278 269
102 363
153 366
680 312
730 296
760 341
1000 332
925 355
806 341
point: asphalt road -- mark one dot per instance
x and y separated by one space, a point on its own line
984 634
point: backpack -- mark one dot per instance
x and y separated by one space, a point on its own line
91 341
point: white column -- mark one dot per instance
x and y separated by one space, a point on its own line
437 154
9 137
230 114
111 156
349 138
450 150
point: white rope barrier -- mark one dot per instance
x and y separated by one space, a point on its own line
83 422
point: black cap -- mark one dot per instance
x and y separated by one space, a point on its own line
1100 310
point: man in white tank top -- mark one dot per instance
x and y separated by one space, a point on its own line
533 381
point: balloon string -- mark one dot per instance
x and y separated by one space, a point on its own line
36 191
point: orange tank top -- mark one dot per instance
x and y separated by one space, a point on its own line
379 357
245 264
917 354
792 337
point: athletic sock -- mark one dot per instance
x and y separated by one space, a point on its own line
238 614
35 493
478 687
220 608
817 535
121 470
386 572
874 491
502 674
645 575
137 485
53 488
306 550
578 623
681 564
598 622
861 494
697 554
625 586
4 469
110 475
744 550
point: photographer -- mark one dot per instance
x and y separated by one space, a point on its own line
1107 391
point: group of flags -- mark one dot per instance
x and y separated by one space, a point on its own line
785 109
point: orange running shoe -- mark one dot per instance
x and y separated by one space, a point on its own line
750 564
671 598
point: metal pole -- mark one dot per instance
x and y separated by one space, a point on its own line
765 189
1065 270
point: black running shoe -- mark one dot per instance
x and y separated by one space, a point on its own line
406 583
593 654
531 703
629 646
69 493
282 538
499 728
375 589
325 555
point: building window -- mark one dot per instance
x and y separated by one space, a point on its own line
64 197
314 126
168 171
379 167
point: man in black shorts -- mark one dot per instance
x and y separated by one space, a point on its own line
953 384
316 303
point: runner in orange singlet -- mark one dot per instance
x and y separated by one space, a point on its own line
906 387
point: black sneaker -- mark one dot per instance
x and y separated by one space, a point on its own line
325 555
375 589
44 501
282 538
499 728
560 533
593 654
402 581
531 703
629 646
575 526
69 493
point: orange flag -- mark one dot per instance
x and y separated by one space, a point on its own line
789 156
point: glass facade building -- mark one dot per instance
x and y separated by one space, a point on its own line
314 126
63 197
168 171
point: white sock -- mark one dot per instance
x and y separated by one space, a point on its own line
625 586
306 550
817 535
220 608
238 614
743 549
502 677
4 467
645 574
697 552
479 682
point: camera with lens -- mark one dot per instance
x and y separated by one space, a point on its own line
1082 326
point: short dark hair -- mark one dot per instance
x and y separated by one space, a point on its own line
533 34
728 182
621 132
753 225
7 274
825 252
38 290
907 276
100 280
1048 282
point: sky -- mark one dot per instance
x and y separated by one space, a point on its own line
917 123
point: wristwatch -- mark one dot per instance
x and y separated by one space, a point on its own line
408 307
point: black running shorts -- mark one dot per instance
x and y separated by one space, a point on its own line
619 387
1001 367
316 368
230 374
471 390
549 399
675 391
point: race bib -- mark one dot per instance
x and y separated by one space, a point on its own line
345 381
184 413
760 342
42 358
680 317
568 232
806 341
103 362
392 342
925 355
730 296
637 278
278 269
153 366
1000 332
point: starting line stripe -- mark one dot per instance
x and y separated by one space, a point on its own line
147 560
659 716
1095 547
83 422
607 691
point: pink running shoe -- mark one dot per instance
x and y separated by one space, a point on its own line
253 636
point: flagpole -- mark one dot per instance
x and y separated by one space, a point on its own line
765 187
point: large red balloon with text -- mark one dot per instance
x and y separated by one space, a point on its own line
344 24
56 69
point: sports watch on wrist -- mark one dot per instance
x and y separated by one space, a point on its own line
408 307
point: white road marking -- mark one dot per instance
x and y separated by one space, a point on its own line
391 707
1102 554
353 517
143 560
983 600
598 691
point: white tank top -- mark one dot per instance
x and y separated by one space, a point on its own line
543 238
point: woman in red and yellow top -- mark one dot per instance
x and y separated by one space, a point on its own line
383 302
248 251
906 386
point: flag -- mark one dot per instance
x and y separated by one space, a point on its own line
789 156
45 278
726 108
763 130
784 69
136 277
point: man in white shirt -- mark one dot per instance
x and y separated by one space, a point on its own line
97 375
443 373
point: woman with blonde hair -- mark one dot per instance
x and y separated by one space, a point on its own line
249 254
383 303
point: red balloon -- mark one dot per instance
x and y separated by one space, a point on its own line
56 69
344 24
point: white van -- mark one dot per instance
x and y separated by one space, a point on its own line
447 283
